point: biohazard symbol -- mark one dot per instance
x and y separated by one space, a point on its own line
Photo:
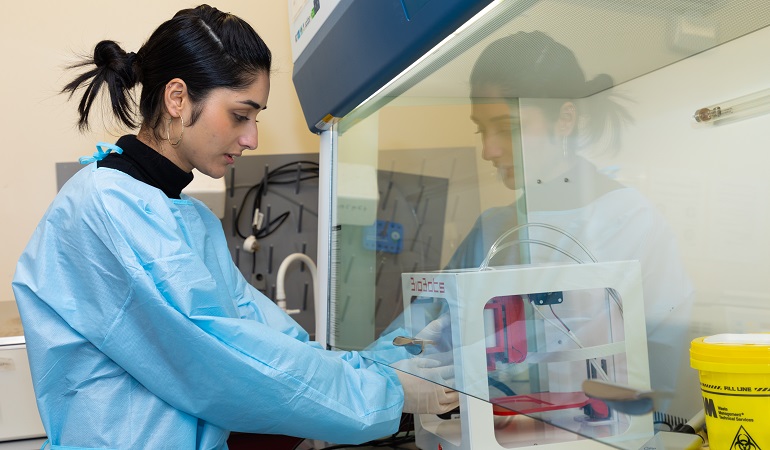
743 441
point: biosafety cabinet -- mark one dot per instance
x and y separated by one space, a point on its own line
540 193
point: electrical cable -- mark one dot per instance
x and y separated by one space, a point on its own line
270 229
694 425
275 173
559 319
260 189
572 337
500 386
391 441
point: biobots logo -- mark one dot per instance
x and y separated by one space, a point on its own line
426 285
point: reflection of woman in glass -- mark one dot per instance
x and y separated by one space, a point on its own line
533 134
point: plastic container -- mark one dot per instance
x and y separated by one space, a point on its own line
734 374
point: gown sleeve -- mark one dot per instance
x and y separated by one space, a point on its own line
206 343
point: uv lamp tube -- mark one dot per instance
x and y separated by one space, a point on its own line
739 108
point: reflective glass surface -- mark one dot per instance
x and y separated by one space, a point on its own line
534 206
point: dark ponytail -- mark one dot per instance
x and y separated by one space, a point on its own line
203 46
603 119
114 67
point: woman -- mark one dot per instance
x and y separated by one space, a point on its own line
141 332
528 101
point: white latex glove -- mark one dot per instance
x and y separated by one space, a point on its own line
438 332
427 397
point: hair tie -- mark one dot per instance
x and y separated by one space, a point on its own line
128 69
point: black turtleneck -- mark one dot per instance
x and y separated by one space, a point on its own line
148 166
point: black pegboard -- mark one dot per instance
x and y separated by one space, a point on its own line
417 204
411 206
296 193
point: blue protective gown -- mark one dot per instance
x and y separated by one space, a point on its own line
142 333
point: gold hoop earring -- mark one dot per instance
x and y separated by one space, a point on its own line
168 132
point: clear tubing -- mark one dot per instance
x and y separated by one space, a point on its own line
494 248
610 292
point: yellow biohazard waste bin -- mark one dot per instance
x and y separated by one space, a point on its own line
734 374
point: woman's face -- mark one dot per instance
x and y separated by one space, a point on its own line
225 128
502 126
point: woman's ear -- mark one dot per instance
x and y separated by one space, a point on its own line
175 97
567 121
